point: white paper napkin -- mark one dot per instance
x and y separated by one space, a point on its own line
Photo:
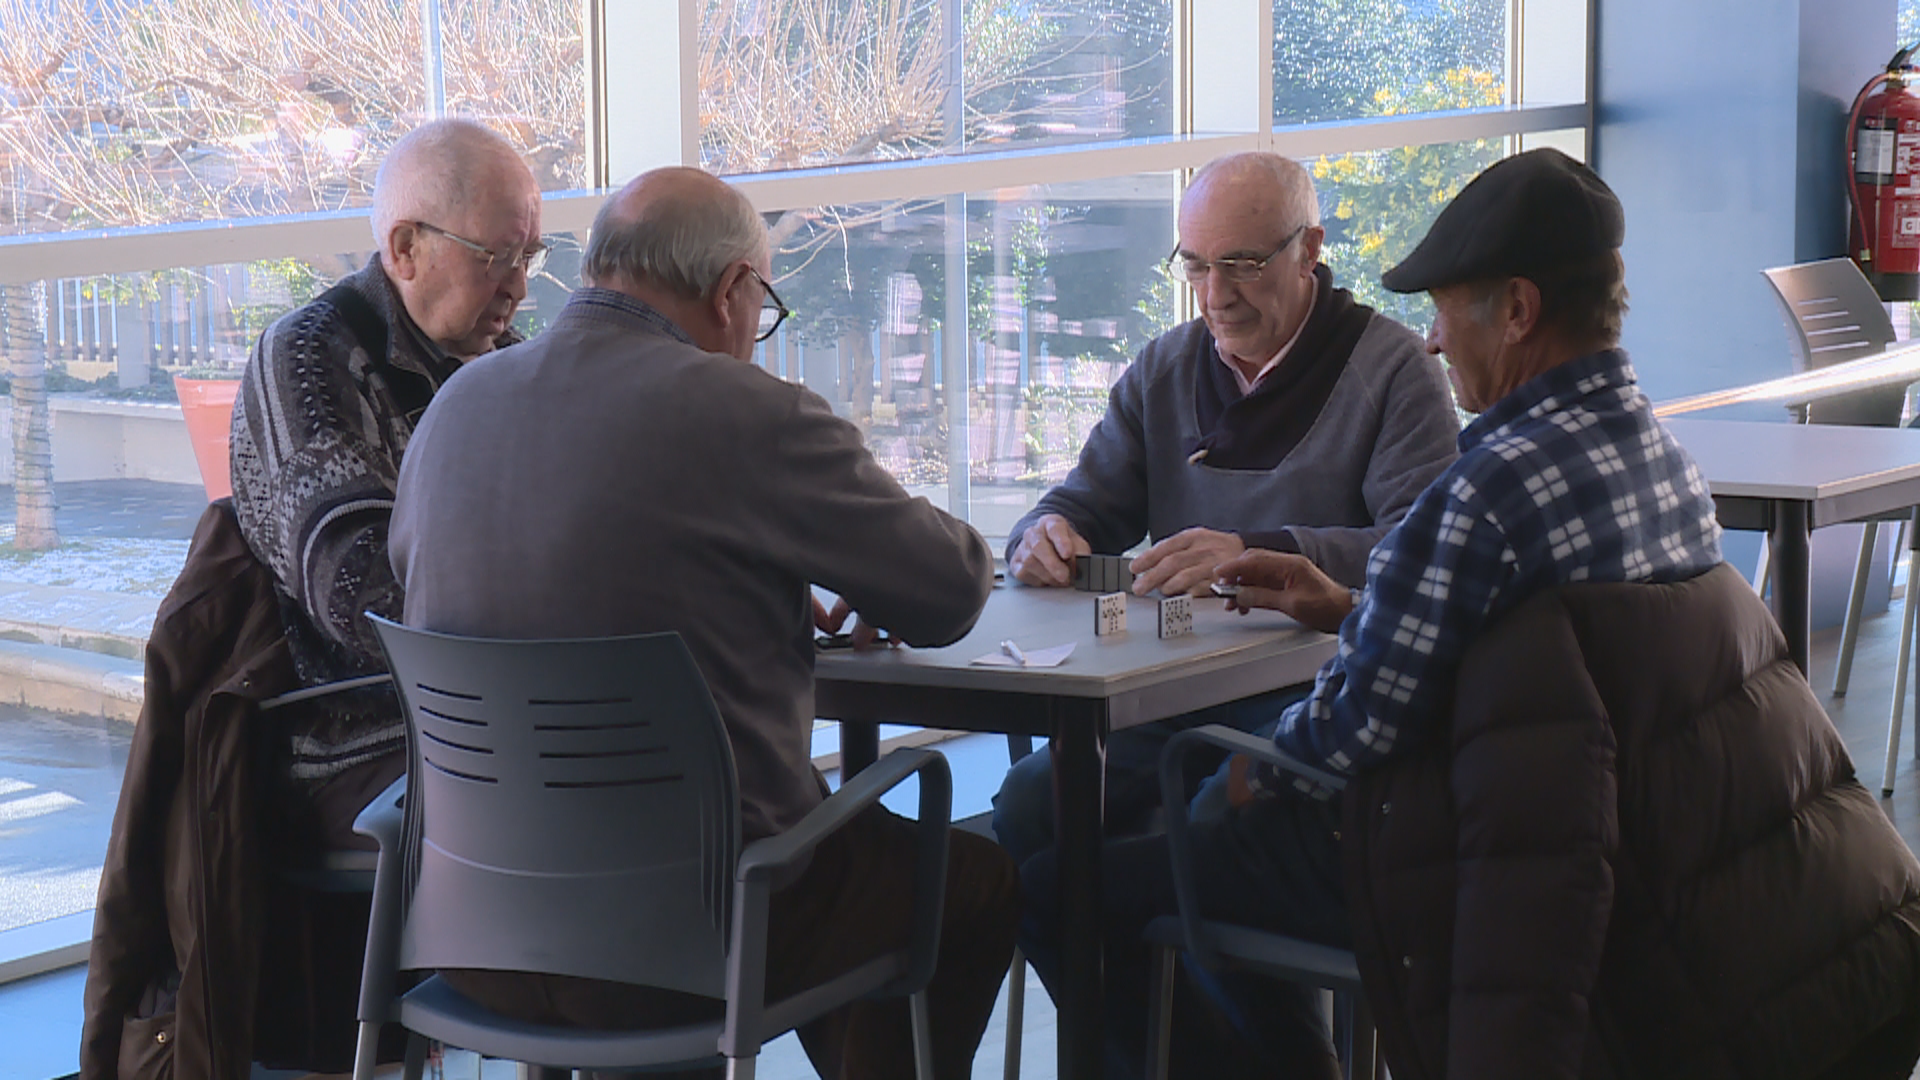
1036 658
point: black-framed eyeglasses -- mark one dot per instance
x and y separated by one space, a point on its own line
772 311
500 264
1194 270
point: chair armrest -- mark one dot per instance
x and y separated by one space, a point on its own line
1257 747
747 963
1173 795
382 819
323 690
763 857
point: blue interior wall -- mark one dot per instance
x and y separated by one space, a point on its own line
1720 123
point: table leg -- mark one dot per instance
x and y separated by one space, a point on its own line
859 747
1792 570
1907 657
1079 786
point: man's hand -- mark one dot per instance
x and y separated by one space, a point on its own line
1046 551
1288 583
1184 562
829 622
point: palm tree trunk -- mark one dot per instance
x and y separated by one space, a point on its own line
23 308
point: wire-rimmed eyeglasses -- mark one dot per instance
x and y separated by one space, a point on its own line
1194 270
500 264
772 311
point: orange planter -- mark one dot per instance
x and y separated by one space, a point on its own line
207 407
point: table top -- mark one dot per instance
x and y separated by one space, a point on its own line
1100 667
1813 463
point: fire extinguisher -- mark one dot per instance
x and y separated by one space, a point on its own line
1883 150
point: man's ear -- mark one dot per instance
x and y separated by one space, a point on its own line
720 303
1521 299
401 253
1310 244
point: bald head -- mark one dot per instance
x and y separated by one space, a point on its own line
691 247
1251 209
1269 181
675 229
439 168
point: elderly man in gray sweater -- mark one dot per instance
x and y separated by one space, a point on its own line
629 471
1287 417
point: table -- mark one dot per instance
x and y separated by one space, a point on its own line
1109 683
1789 479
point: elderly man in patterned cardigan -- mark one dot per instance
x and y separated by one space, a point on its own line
329 398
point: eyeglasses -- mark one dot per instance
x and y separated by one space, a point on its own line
772 311
500 264
1193 271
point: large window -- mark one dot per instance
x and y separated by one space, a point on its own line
970 201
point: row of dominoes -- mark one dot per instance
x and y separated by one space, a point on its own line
1102 573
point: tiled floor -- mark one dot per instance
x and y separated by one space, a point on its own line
40 1018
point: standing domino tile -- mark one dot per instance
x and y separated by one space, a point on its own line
1110 614
1176 616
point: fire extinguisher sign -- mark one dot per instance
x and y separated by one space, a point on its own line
1906 230
1873 152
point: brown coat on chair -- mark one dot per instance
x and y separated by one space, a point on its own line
178 980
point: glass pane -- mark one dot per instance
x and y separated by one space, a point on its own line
1909 22
517 65
1062 289
1377 205
1073 72
1346 59
190 110
59 783
788 84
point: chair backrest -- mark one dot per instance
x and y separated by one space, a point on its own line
572 809
1833 315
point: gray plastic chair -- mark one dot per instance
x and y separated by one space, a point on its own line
1834 315
1213 944
573 810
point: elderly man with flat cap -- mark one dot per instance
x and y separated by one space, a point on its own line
1564 477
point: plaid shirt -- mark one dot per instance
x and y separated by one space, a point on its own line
1567 479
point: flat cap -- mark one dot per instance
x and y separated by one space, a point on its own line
1527 213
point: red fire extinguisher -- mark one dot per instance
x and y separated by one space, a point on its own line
1883 148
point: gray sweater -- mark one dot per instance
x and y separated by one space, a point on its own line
1386 430
608 477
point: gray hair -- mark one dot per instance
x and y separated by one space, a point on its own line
435 168
679 243
1585 299
1294 183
